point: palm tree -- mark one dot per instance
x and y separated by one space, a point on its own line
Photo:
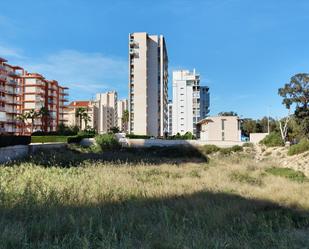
125 120
22 118
44 114
86 118
32 114
79 114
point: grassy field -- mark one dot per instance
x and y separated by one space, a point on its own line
151 199
49 139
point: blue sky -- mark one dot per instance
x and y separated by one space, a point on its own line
244 49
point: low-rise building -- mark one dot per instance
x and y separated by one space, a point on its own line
73 119
219 128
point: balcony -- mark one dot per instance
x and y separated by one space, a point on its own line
2 109
12 82
2 77
133 52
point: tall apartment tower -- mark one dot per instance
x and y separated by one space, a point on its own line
190 101
107 111
148 82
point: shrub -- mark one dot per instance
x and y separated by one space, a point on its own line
80 136
210 148
245 178
48 139
301 147
272 140
187 136
107 142
227 151
288 173
137 136
248 145
14 140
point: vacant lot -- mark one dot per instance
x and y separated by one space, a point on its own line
152 199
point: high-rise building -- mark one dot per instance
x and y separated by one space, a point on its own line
148 82
190 101
122 106
10 97
40 93
107 111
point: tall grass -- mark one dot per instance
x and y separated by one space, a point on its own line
101 204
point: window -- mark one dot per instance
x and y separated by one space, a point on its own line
222 124
223 138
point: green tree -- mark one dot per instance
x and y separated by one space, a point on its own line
79 114
231 113
86 118
125 120
22 118
297 92
44 114
33 115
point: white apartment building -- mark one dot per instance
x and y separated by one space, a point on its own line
122 106
107 111
190 101
148 83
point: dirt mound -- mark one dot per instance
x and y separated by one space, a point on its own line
280 156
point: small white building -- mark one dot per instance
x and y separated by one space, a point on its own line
220 128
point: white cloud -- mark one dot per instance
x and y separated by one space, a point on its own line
9 52
90 72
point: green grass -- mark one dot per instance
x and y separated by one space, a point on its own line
141 199
291 174
299 148
48 139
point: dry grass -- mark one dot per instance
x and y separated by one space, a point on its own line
230 202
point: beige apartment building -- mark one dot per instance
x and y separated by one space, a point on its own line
102 112
148 83
73 120
122 106
220 128
107 111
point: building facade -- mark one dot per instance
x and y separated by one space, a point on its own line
190 101
122 106
21 92
38 93
74 120
106 104
170 118
148 84
10 98
220 128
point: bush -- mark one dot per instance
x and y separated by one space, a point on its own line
14 140
228 151
250 145
138 136
210 148
187 136
48 139
272 140
288 173
301 147
107 142
80 136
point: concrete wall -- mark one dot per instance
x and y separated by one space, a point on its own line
162 143
257 137
16 152
11 153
